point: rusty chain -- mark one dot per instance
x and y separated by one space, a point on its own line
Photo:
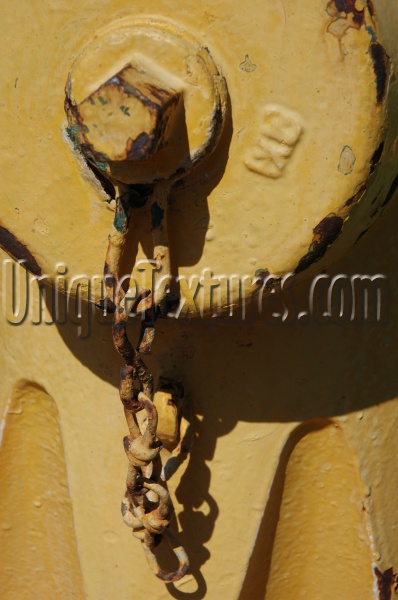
143 159
146 506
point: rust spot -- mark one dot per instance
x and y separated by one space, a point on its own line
19 251
348 6
325 233
385 583
345 15
376 157
126 443
110 280
139 148
391 191
381 65
371 8
163 96
118 328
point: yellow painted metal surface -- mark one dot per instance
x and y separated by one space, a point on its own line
38 548
250 506
307 84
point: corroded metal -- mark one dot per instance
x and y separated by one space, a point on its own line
128 130
146 506
125 119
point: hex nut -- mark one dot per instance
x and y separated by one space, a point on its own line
125 119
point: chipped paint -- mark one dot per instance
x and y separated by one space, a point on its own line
347 161
345 15
385 582
381 65
325 233
247 65
97 130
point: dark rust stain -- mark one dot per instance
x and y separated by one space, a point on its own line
376 157
119 328
381 66
19 251
385 583
371 8
147 336
391 191
164 96
139 148
337 8
325 233
348 6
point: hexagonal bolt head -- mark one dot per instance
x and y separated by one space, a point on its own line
125 119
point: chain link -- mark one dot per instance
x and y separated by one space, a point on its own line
146 507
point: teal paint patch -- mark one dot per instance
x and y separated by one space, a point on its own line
102 166
120 221
73 130
371 32
125 110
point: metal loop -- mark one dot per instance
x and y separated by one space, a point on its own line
148 520
178 551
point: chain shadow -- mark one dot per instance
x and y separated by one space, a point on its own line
255 372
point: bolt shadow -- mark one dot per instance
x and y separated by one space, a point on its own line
188 214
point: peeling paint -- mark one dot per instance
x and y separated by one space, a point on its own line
345 16
376 157
381 65
385 583
325 233
347 161
247 65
